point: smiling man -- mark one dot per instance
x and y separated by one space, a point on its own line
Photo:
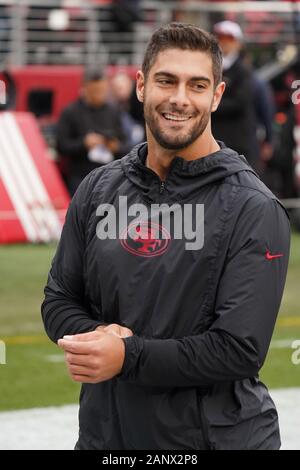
168 337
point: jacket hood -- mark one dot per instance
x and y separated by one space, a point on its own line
184 177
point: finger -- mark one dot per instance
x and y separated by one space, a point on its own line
126 332
101 327
83 379
84 360
118 330
113 333
77 347
113 327
90 336
79 370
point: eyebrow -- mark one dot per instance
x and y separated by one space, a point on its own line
201 78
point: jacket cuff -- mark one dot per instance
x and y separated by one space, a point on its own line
133 348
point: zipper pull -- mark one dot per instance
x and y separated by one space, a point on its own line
162 187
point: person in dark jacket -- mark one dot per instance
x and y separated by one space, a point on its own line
169 274
235 121
89 131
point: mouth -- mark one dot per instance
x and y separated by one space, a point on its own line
176 117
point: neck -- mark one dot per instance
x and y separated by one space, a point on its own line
159 159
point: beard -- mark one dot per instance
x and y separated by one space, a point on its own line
169 139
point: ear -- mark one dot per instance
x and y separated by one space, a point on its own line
140 86
218 96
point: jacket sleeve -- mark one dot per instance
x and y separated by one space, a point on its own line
245 310
63 310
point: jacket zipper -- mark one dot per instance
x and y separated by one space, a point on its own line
162 187
162 184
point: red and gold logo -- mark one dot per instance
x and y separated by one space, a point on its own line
145 239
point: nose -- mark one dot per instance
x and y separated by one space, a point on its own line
179 97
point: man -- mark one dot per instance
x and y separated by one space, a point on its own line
89 131
235 122
122 87
166 330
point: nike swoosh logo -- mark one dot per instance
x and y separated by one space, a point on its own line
269 256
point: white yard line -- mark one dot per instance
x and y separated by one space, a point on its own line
56 428
53 428
288 405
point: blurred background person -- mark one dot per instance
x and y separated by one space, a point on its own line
264 105
122 87
280 170
247 105
89 131
234 121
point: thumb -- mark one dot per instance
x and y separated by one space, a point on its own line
90 336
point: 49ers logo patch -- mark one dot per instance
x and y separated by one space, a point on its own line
145 239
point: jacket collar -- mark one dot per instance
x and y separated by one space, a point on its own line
184 176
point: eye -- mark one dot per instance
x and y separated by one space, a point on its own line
164 81
198 86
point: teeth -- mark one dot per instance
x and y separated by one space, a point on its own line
174 117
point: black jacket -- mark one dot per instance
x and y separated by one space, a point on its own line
203 319
234 122
76 121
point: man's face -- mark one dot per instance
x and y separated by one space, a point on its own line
178 97
228 44
121 86
95 92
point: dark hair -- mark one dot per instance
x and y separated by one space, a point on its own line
183 36
93 75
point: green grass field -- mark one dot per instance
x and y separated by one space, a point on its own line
35 374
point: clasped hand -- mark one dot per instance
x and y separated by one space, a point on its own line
95 356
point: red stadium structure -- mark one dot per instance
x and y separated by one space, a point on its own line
45 90
33 198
